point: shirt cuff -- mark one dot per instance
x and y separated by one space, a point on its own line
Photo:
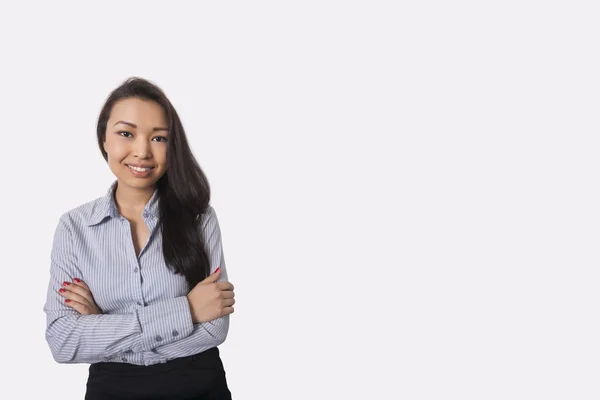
165 322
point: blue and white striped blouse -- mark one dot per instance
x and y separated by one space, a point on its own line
147 318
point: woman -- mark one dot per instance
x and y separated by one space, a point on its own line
138 284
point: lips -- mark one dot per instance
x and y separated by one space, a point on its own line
140 168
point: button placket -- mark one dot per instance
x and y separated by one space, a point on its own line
140 301
136 269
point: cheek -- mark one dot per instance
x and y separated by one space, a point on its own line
161 157
115 153
114 148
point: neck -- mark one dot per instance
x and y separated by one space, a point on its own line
131 201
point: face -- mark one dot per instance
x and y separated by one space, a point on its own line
136 142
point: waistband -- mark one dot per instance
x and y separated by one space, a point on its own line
208 358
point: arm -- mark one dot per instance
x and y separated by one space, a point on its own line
212 333
76 338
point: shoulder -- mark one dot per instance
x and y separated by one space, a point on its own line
208 218
81 215
208 214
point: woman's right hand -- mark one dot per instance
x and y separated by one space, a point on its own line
210 299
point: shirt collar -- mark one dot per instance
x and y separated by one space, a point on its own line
107 207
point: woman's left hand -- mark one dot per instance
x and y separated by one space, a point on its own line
79 297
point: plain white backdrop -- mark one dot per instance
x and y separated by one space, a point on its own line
407 191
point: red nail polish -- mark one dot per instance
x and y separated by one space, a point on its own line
76 280
217 270
67 301
66 283
62 290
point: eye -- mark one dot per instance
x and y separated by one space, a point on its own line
125 132
163 139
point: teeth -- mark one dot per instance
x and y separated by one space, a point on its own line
139 169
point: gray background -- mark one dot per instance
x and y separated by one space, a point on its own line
407 191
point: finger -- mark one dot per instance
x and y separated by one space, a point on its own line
224 285
81 283
227 310
77 306
212 277
81 291
228 302
227 294
69 294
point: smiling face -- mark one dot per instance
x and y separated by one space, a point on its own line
136 142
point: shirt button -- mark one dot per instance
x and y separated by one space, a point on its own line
135 270
175 333
158 338
124 359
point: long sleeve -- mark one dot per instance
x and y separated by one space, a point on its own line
212 333
75 338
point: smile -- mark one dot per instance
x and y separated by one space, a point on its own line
138 169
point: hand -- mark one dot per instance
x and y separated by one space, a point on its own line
210 299
79 297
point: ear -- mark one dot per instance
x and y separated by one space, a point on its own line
104 146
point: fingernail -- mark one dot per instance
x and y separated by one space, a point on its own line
62 290
76 280
66 283
217 270
67 301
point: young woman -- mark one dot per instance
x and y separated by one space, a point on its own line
138 283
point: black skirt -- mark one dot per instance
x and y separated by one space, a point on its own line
200 376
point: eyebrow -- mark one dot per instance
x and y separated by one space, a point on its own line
135 126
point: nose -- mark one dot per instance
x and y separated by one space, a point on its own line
142 149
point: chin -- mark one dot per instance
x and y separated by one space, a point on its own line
140 183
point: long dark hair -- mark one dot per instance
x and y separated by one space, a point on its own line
183 191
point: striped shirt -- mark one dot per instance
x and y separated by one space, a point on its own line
146 315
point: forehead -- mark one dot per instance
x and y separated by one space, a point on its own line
140 112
